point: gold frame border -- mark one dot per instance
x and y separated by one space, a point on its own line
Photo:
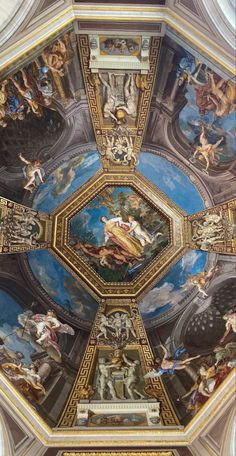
154 270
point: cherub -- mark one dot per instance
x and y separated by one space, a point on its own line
134 201
201 280
117 324
129 151
32 170
169 366
212 218
108 148
223 105
206 150
128 325
230 324
103 325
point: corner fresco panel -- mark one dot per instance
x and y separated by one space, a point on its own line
61 286
208 118
171 181
65 180
32 343
170 291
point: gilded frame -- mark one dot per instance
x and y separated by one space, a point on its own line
151 272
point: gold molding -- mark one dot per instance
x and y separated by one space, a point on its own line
15 241
154 270
103 128
225 245
85 376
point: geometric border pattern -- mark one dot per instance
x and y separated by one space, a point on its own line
100 130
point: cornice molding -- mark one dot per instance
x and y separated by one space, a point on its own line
42 32
148 438
15 19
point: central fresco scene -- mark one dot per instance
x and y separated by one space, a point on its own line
118 233
118 230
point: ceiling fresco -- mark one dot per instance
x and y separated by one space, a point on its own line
172 181
208 117
64 180
136 233
61 286
129 250
120 148
171 291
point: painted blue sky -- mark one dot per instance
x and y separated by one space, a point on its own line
168 293
9 311
171 181
60 285
65 180
190 122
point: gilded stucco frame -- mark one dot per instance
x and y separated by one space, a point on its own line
152 272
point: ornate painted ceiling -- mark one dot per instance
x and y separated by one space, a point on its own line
117 224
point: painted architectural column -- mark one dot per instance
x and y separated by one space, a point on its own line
110 384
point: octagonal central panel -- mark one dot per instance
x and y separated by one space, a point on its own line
118 233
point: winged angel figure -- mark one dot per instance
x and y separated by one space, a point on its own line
168 365
44 329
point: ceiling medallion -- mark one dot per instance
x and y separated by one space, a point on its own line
118 233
